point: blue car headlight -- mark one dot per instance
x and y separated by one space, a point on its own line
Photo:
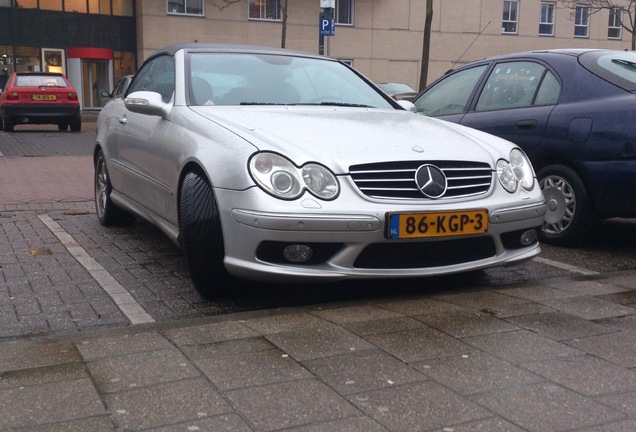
279 177
516 171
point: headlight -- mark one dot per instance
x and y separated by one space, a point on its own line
522 168
517 171
320 181
506 176
281 178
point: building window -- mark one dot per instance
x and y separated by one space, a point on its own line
185 7
99 7
510 16
27 59
546 23
75 6
614 27
102 7
343 12
264 9
55 5
123 7
28 4
582 21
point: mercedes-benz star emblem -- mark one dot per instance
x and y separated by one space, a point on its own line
431 181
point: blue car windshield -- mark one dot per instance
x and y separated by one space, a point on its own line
268 79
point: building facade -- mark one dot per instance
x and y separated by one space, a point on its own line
383 38
505 26
97 41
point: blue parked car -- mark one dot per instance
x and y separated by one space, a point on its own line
572 111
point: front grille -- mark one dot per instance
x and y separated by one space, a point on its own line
396 180
407 254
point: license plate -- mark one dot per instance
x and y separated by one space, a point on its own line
440 224
44 97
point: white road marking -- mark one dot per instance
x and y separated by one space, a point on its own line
122 298
568 267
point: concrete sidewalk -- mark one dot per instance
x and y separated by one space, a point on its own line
44 179
481 360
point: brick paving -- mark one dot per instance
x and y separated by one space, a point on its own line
527 353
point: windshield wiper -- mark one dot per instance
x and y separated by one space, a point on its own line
625 63
264 103
339 104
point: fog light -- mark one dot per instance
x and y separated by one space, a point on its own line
298 253
528 237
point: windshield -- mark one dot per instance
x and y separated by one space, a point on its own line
264 79
617 67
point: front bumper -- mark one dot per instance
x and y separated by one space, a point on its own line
354 245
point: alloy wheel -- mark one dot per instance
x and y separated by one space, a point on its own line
562 203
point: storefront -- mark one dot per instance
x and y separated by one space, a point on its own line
93 46
88 71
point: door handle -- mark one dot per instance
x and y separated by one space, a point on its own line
123 119
526 125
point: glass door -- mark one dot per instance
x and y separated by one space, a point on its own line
94 82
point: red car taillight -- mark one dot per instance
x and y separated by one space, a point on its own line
12 96
72 96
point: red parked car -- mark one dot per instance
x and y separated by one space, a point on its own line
39 98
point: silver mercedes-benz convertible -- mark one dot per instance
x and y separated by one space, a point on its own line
275 165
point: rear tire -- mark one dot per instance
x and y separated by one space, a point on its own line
107 212
76 123
570 214
7 125
201 236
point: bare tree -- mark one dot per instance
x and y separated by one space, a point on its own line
280 4
283 10
626 18
426 44
222 4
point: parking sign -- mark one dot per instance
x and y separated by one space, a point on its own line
327 27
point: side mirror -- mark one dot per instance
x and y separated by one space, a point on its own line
407 105
105 94
146 102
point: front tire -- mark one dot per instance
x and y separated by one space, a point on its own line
570 215
201 236
107 212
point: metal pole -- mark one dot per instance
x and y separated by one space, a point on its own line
321 37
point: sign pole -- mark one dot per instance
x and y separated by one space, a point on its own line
326 25
321 36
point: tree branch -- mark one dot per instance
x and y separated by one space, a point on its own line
222 4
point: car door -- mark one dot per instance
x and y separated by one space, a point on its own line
449 98
515 102
137 161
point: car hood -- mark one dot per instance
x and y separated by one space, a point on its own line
339 137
